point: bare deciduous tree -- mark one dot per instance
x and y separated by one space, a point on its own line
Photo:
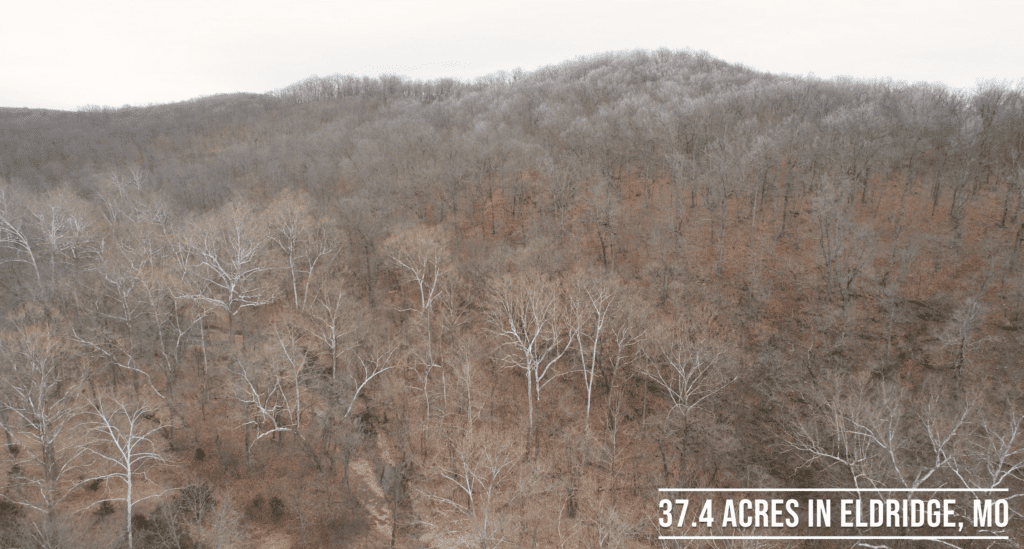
305 243
374 359
39 388
592 301
483 470
994 456
186 516
422 256
960 336
335 317
845 244
869 432
65 223
230 260
13 232
128 448
268 391
527 314
690 362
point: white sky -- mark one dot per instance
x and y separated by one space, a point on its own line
65 55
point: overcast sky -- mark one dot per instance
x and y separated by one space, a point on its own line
65 55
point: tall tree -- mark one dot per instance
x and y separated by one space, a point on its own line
592 302
422 257
230 261
527 314
39 391
127 447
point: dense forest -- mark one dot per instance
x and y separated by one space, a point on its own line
378 312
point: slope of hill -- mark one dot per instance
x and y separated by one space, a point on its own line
362 311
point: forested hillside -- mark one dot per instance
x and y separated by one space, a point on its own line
376 312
